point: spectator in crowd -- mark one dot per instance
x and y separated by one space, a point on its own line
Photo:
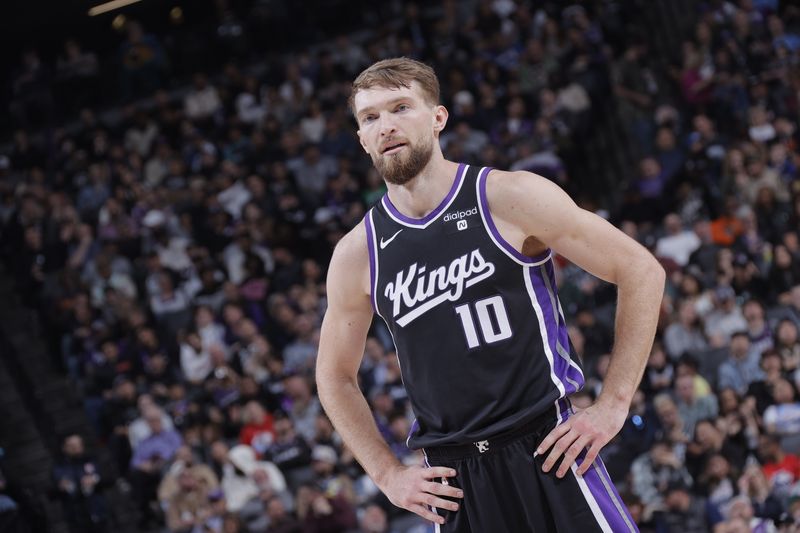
683 512
725 319
685 334
280 521
652 472
144 62
781 469
782 418
78 482
678 243
319 512
691 407
741 367
150 456
187 507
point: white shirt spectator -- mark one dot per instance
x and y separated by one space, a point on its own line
202 103
212 334
173 255
234 198
785 418
678 247
196 365
248 108
241 489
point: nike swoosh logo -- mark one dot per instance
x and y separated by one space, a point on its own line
385 243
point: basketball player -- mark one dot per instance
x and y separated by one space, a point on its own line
457 260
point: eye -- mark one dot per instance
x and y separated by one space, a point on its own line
367 119
402 107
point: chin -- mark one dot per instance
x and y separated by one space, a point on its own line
401 168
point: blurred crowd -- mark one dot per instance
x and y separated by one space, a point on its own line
178 253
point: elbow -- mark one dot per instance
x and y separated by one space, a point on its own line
657 272
646 270
653 272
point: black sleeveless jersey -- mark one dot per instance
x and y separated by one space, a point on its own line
479 331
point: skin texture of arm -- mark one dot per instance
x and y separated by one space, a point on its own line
527 208
342 340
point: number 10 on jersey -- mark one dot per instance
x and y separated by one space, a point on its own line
493 328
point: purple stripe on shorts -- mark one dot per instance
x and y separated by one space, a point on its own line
608 500
372 261
493 228
604 472
387 202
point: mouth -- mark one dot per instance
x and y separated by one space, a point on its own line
393 148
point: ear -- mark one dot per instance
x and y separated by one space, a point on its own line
361 141
440 116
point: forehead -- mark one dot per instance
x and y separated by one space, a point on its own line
376 97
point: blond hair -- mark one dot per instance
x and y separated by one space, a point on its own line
395 73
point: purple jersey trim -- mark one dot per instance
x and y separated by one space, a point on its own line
387 203
493 229
372 260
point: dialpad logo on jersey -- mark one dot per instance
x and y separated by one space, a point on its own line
415 291
458 215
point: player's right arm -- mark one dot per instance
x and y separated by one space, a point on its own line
341 348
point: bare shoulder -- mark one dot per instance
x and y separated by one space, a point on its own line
525 197
348 272
522 185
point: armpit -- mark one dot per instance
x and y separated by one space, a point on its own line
532 246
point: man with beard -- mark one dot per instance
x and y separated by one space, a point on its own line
457 260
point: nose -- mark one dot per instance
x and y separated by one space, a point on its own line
387 125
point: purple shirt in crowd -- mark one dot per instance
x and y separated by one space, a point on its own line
158 445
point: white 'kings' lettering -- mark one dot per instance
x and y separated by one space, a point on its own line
420 292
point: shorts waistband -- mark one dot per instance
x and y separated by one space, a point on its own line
461 451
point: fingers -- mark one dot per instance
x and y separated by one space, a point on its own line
551 438
440 503
437 471
572 454
443 490
426 513
559 448
591 455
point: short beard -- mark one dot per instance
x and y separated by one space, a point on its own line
402 168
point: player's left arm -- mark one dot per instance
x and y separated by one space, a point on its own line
535 207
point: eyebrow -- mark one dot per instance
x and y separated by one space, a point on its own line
366 110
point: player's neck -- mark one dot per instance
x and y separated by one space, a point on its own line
425 192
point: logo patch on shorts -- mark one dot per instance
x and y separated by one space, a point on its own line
483 446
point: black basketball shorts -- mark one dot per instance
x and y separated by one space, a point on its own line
505 489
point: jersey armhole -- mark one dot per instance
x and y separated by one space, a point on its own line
373 260
491 228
